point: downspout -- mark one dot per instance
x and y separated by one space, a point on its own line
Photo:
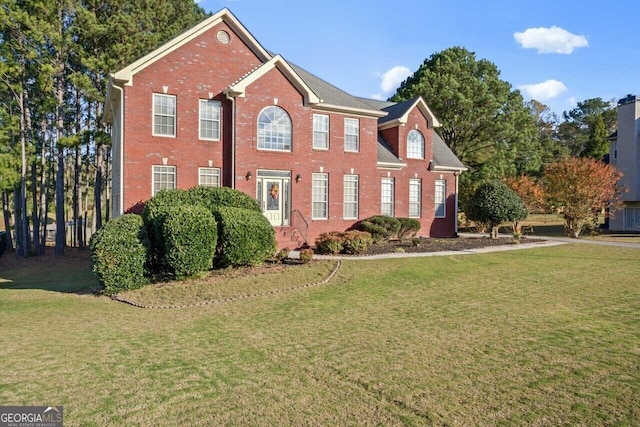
456 175
233 140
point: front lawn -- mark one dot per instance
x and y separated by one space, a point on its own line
547 336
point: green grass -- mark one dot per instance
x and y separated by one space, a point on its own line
546 336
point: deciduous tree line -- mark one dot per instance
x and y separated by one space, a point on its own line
55 59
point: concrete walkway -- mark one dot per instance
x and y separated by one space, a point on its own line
511 247
564 240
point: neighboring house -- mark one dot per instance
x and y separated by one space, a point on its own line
624 154
213 107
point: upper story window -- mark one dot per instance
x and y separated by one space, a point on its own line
320 132
274 129
351 135
209 120
415 145
164 115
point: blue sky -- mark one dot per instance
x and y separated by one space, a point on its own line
366 47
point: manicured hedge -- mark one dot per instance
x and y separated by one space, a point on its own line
381 227
409 227
213 198
245 237
348 242
119 253
190 236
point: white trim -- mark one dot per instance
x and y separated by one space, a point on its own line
125 75
238 89
350 110
200 119
448 169
392 166
153 115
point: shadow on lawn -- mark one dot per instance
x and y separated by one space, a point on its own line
70 273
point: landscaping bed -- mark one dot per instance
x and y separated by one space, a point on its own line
439 245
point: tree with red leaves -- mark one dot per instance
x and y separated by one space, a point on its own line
582 188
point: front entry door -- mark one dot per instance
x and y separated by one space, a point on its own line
274 200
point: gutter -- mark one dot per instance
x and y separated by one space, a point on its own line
233 139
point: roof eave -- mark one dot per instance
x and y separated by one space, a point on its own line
436 168
343 109
388 165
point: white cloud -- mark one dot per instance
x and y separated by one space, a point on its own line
392 78
550 40
545 90
573 101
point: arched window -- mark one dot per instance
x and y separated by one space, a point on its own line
274 129
415 145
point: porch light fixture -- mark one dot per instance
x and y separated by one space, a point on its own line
298 178
249 175
430 167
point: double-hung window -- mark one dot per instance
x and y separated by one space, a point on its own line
164 178
209 177
350 201
387 200
320 132
415 199
209 120
441 198
164 115
352 135
320 196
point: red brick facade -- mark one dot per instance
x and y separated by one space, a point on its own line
203 68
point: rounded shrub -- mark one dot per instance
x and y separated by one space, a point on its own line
119 253
190 236
409 227
494 203
213 198
329 243
381 227
306 255
245 237
356 242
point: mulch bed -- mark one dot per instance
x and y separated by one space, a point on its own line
439 245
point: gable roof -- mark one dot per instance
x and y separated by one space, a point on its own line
443 157
238 87
376 103
399 113
126 74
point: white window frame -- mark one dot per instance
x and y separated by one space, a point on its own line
169 171
349 125
208 172
154 114
440 198
414 151
262 131
353 201
321 127
391 201
217 105
320 195
415 198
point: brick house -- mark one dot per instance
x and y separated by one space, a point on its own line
213 107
